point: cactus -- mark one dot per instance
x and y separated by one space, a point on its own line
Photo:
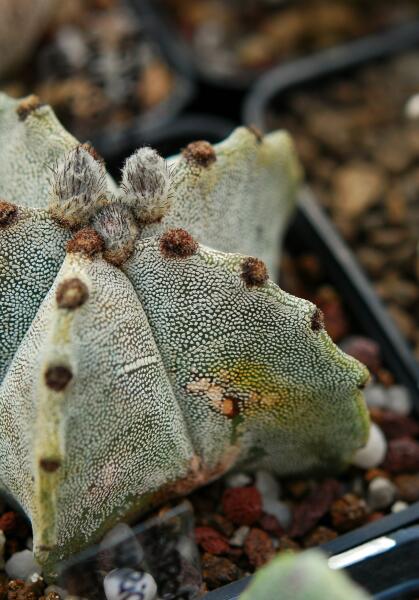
136 363
22 22
304 576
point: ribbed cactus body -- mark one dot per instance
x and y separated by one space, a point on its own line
138 359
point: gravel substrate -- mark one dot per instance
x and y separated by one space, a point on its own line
358 138
236 37
96 67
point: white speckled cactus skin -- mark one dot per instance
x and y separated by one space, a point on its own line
136 363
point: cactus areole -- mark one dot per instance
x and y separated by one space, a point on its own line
140 355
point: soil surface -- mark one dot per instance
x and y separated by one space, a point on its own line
358 138
243 36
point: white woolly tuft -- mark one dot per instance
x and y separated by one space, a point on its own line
116 225
79 182
145 185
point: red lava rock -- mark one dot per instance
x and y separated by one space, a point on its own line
407 487
258 547
271 524
318 536
363 349
402 456
393 425
211 540
348 512
8 522
242 505
218 571
314 507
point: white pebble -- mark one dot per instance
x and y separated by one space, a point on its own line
373 453
376 396
280 510
124 583
399 506
238 480
399 400
267 485
22 565
239 536
411 108
381 493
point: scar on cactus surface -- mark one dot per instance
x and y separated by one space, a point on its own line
137 363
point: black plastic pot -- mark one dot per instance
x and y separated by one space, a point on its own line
168 140
158 21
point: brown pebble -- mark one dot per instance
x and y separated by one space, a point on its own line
177 243
402 456
200 153
86 241
258 547
286 543
254 272
335 320
8 213
27 106
363 349
385 377
373 473
394 425
407 487
307 513
318 536
218 571
71 293
220 523
348 512
57 377
50 596
211 541
298 488
8 522
271 524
